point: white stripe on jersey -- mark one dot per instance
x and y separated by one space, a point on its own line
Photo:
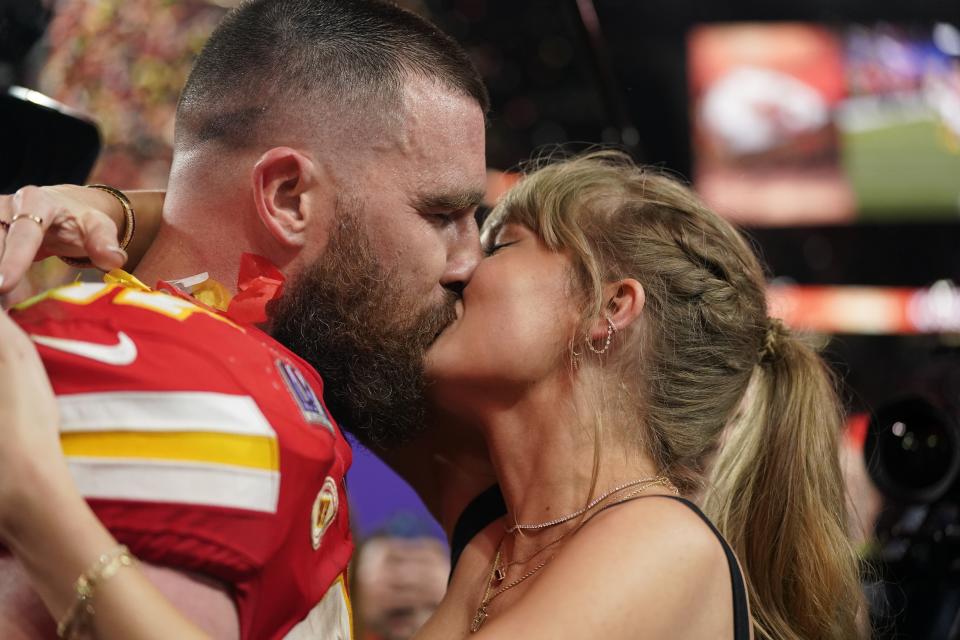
330 619
178 482
168 411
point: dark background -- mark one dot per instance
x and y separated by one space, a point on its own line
556 77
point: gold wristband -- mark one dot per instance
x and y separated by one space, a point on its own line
129 227
76 622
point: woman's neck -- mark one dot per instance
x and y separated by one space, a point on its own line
542 447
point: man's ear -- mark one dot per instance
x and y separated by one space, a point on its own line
624 303
282 181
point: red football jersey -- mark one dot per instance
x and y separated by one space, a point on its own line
204 446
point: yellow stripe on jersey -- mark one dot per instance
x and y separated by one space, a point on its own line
346 598
254 452
184 447
79 293
165 304
134 294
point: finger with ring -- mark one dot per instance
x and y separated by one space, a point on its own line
28 216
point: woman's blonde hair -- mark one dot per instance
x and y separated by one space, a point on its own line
710 366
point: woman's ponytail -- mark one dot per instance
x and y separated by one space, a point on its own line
777 495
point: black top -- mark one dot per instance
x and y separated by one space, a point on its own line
741 612
489 505
482 510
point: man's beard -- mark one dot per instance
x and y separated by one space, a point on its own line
347 316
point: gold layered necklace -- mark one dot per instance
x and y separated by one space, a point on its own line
498 572
570 516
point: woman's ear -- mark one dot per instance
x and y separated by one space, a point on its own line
624 303
282 178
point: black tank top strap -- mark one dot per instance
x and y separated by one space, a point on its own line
477 516
741 612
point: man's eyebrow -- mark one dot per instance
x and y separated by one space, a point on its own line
451 201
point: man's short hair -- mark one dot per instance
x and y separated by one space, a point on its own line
337 58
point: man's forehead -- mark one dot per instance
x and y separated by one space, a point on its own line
435 154
438 124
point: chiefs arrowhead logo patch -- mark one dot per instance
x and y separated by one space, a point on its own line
324 511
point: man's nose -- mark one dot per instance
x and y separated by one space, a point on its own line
463 255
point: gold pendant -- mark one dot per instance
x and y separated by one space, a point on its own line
479 619
499 574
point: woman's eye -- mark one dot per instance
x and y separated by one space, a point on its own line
492 249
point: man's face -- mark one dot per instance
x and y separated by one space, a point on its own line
420 186
402 245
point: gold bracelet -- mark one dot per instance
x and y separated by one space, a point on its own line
129 227
75 624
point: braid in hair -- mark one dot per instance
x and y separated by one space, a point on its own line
707 366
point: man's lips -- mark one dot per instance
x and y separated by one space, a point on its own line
458 309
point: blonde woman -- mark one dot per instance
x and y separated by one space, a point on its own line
615 351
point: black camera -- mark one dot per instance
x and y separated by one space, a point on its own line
912 451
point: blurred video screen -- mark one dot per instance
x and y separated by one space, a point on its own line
796 123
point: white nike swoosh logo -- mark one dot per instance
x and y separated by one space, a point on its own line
120 354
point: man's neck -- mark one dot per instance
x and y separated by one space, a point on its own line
176 253
447 468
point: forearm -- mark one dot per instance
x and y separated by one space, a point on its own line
148 207
58 538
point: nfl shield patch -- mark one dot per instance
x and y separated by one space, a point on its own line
303 395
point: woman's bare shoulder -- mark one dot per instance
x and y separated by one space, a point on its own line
650 541
647 568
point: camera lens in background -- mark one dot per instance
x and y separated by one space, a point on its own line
912 450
